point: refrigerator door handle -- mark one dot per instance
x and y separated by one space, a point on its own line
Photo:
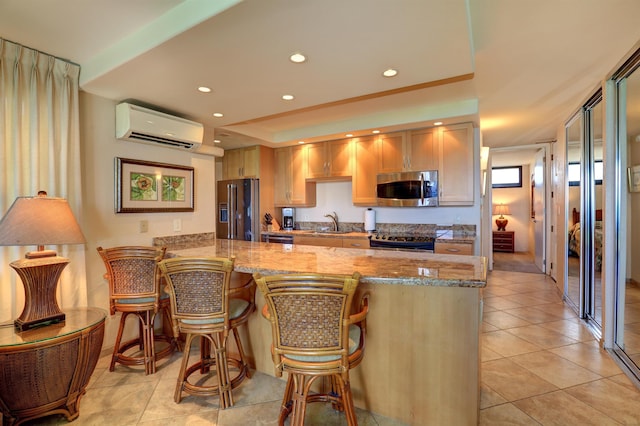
232 192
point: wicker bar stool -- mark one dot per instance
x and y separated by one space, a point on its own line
314 336
202 305
134 289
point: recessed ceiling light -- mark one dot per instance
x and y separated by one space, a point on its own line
218 114
298 58
349 135
287 97
204 89
216 141
300 142
438 123
376 131
390 72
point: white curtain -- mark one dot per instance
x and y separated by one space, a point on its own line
39 150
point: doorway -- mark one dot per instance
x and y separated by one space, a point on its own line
528 217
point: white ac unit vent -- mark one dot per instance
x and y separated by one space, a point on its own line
138 124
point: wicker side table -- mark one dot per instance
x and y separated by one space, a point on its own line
46 370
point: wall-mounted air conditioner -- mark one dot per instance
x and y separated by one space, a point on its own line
135 123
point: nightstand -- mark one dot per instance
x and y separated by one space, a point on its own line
504 241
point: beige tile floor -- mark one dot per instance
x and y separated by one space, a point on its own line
539 366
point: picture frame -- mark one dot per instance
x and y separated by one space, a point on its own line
633 177
149 187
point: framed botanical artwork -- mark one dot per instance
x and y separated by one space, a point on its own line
148 187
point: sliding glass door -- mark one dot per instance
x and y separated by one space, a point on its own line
583 288
627 295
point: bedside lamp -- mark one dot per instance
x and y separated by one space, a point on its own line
501 221
39 221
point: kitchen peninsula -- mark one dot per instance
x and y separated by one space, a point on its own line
421 363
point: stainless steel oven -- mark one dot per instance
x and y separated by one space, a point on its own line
408 189
405 242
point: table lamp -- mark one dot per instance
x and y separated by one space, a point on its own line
39 221
501 221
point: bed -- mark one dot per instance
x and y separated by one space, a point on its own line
574 237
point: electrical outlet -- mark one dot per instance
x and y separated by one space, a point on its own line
177 225
144 226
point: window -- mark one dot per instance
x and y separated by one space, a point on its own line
573 173
506 177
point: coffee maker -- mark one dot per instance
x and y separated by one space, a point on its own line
288 221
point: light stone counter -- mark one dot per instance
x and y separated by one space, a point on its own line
421 363
408 267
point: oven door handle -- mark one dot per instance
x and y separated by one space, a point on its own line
421 189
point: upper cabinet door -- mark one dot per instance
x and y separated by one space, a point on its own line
317 160
329 159
456 171
339 157
391 153
291 188
423 152
241 163
232 164
365 171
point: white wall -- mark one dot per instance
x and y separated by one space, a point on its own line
100 224
336 196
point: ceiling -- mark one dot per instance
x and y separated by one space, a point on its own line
515 69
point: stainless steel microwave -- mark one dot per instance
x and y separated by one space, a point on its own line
408 189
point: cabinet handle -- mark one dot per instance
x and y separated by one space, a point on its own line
453 250
356 245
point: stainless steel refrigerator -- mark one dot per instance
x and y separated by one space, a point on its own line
238 210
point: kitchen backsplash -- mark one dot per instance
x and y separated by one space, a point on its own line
393 228
178 242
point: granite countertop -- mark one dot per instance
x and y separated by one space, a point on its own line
318 233
375 266
447 236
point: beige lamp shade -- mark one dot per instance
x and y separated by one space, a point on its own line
39 221
501 221
501 209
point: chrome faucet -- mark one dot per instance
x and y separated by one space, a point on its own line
334 218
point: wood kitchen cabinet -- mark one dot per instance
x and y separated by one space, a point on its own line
365 171
291 189
329 159
309 240
416 150
242 163
455 171
331 241
453 248
423 149
391 152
